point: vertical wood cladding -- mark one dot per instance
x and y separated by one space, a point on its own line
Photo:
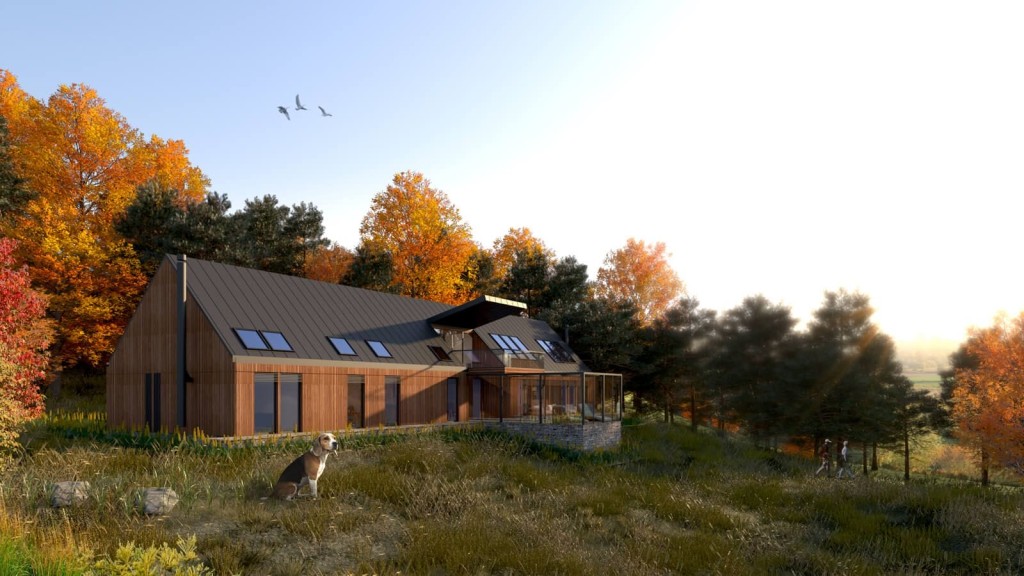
325 395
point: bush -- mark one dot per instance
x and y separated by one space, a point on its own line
131 560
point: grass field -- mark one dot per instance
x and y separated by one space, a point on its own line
670 501
929 381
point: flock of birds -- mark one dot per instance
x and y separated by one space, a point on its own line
299 106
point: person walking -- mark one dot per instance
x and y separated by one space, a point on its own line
826 459
843 463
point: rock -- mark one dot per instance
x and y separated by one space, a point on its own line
158 501
68 493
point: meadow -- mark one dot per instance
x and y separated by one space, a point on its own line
472 501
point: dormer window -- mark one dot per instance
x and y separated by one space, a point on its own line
378 348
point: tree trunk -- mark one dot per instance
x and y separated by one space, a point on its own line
864 458
906 455
984 466
693 408
874 456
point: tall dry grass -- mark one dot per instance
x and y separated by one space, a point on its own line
469 501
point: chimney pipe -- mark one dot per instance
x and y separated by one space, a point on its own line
180 372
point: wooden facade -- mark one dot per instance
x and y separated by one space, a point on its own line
221 384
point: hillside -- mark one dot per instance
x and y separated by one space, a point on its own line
670 501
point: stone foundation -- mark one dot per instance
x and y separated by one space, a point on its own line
586 437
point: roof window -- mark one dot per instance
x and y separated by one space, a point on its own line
378 348
341 346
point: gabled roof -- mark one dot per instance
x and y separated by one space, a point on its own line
307 312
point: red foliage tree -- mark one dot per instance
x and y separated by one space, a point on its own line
25 334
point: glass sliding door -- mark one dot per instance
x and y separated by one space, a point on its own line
264 400
290 390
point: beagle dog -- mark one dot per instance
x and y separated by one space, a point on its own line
306 469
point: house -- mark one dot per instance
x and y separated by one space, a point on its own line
257 352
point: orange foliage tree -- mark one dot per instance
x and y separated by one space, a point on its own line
640 275
84 162
429 244
327 263
516 241
988 399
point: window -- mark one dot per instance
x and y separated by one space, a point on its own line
512 344
263 340
341 346
555 350
152 398
379 349
392 394
453 399
251 339
440 353
277 341
277 403
356 399
264 400
290 389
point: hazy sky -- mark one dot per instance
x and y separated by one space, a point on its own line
776 148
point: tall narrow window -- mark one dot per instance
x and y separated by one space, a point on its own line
290 389
392 397
152 401
264 399
356 399
453 399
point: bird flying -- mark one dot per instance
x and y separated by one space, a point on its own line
324 112
298 105
284 111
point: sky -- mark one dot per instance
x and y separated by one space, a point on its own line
782 149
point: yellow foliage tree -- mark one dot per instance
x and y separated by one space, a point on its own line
429 244
988 400
516 241
640 274
85 162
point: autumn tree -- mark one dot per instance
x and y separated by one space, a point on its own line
14 195
421 230
85 162
987 404
515 245
329 263
25 336
640 274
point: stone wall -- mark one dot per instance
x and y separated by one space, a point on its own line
587 437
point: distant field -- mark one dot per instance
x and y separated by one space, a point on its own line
929 381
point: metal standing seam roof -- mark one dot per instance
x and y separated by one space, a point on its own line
529 331
307 312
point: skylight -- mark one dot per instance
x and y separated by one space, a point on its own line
277 341
251 339
440 353
555 350
341 346
378 348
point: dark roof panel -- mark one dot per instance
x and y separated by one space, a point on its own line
307 312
